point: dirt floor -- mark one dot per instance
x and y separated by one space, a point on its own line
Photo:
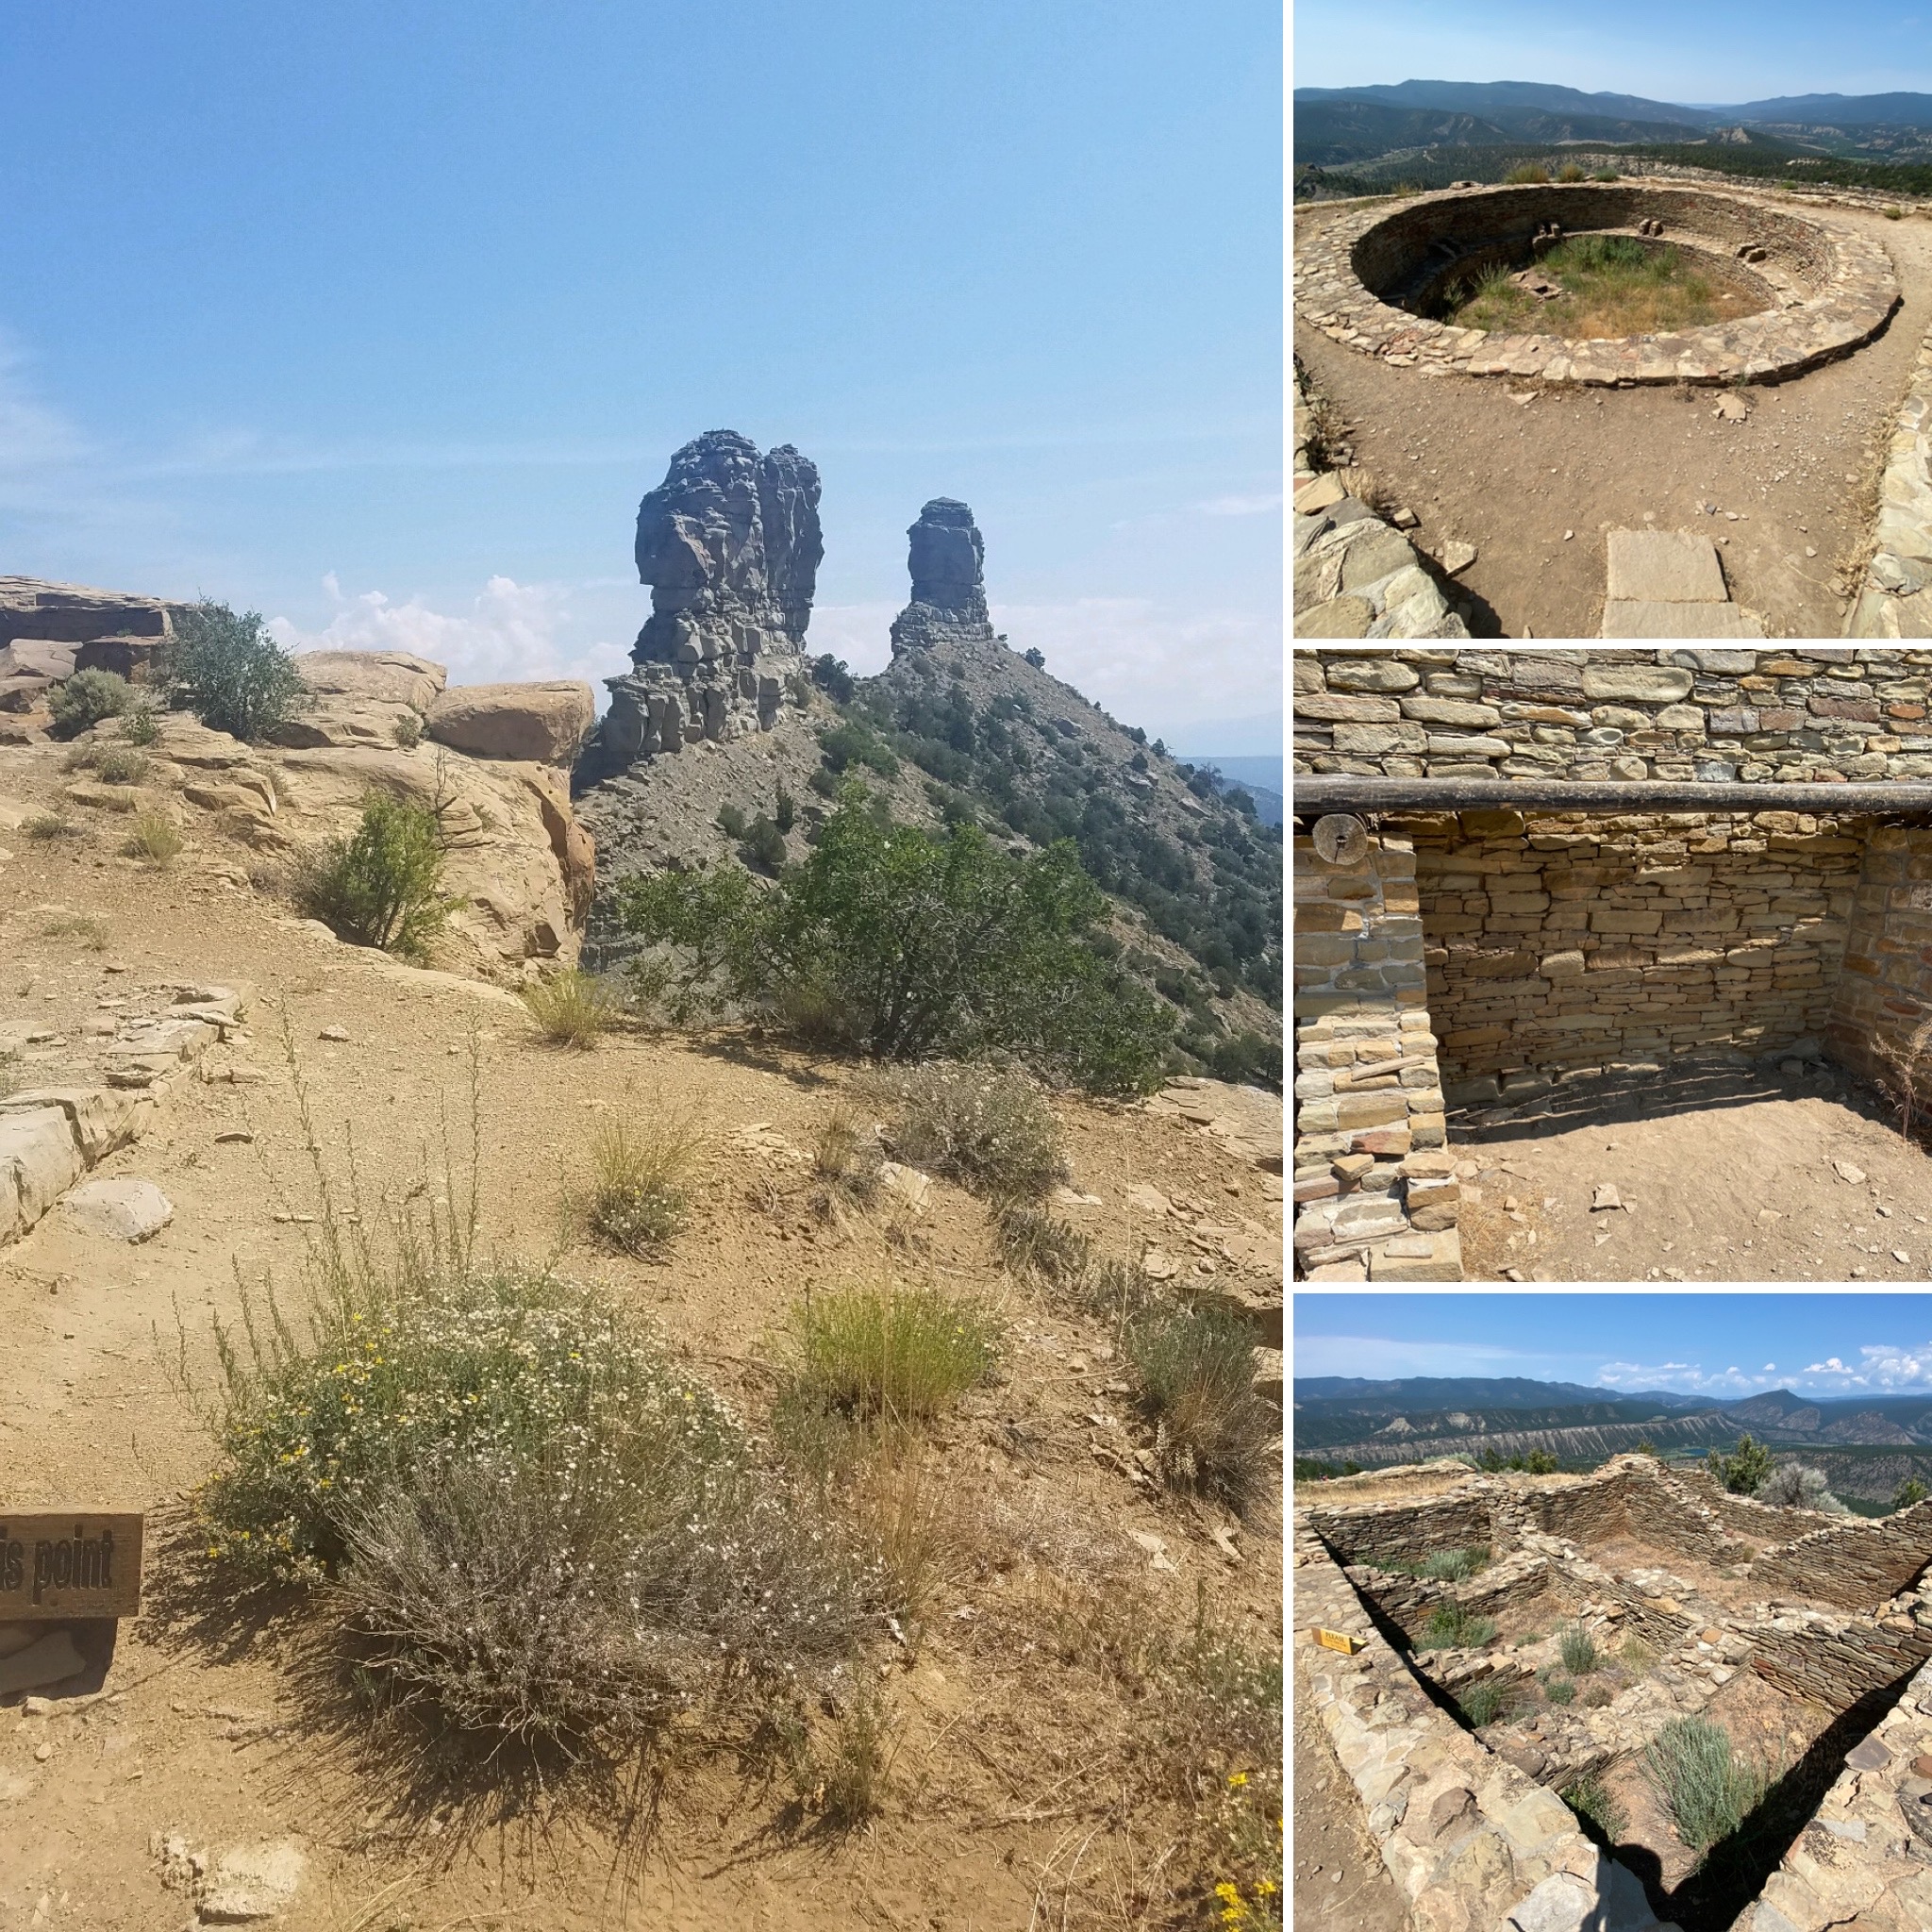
1536 485
1017 1796
1341 1883
1725 1176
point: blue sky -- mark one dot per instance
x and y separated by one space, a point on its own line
1734 50
1726 1345
381 317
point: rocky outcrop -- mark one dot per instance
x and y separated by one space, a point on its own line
74 614
946 558
540 722
361 697
730 546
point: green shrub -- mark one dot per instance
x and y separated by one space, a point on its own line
832 678
1214 1430
849 742
571 1008
933 945
1570 172
785 815
990 1128
1707 1790
731 821
843 1773
1483 1704
382 887
141 726
764 843
89 931
1452 1627
1590 1799
1604 175
1559 1690
407 730
230 672
636 1200
846 1154
1453 1566
1527 174
119 764
890 1355
1908 1493
1743 1472
45 826
1580 1655
80 702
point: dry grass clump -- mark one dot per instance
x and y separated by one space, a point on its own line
990 1128
91 932
845 1155
1213 1431
1613 285
890 1355
155 838
572 1008
636 1199
1708 1791
1905 1072
46 825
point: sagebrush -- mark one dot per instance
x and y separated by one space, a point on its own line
383 885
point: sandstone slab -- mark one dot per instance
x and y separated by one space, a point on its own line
1657 567
126 1210
540 724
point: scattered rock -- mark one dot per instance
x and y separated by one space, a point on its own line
1732 408
251 1882
1158 1265
912 1187
336 1033
1455 554
1846 1171
1404 519
1152 1200
234 1134
1605 1196
123 1210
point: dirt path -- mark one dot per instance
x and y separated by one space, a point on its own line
1341 1883
1006 1799
1799 477
1726 1179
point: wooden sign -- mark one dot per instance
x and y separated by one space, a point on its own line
62 1564
1339 1640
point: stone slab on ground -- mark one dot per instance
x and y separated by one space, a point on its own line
124 1209
1664 567
1630 620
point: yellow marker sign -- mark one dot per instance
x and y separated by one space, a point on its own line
62 1564
1339 1640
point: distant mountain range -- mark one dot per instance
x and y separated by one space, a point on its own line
1336 125
1341 1418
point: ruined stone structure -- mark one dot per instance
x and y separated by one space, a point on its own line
1545 945
729 543
1758 1605
1367 277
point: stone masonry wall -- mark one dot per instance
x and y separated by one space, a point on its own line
1814 715
1884 994
1555 943
1858 1564
1834 1661
1375 1189
1405 1532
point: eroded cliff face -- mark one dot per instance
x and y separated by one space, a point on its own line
729 543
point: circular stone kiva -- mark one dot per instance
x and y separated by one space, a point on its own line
1825 288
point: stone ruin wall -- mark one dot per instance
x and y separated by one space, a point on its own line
1536 946
1405 1531
1835 1662
1858 1564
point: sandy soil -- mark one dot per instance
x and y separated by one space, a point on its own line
1724 1177
1013 1795
1341 1883
1799 477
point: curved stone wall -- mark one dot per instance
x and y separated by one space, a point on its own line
1833 288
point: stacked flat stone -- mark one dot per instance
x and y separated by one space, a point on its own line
1841 287
729 543
1896 598
1356 576
1375 1193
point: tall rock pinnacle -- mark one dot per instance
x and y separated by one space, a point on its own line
730 544
946 556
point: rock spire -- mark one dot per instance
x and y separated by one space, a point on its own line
946 556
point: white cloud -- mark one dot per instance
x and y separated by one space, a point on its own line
1240 505
512 632
1690 1377
1882 1368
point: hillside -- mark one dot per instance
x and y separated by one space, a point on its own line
959 726
1084 1646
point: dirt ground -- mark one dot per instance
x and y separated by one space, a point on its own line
1014 1800
1795 486
1724 1178
1341 1883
